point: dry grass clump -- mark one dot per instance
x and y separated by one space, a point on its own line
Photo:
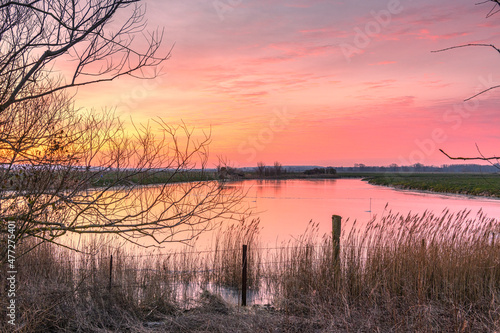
60 289
55 294
226 260
414 273
417 272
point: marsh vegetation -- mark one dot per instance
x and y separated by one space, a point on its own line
418 272
459 183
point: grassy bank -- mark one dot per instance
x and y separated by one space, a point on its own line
127 178
149 178
469 184
164 177
402 273
458 183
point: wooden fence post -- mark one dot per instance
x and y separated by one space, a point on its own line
336 230
244 278
424 252
110 272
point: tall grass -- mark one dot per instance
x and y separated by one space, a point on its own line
418 272
228 255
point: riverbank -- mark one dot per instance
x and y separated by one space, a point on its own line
129 178
486 185
474 184
169 177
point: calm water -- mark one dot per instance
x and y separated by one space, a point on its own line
285 207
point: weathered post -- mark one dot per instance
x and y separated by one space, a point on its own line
110 272
336 230
244 278
424 253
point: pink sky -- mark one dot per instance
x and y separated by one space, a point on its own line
322 82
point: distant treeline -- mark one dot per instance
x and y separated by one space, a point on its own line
423 168
279 170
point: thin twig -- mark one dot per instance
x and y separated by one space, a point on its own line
470 158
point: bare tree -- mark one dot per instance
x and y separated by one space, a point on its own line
278 168
261 169
36 33
69 171
493 160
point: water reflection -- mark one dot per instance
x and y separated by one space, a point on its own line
285 207
264 187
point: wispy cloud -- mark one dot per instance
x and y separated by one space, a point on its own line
230 74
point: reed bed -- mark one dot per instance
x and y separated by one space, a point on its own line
419 272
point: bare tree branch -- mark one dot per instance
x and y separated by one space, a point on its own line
79 29
468 45
479 158
65 171
472 45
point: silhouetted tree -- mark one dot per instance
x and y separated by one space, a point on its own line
278 168
66 171
261 169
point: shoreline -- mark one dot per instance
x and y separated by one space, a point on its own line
459 184
422 191
470 185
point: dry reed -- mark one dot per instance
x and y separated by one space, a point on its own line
419 272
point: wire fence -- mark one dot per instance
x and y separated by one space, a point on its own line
184 275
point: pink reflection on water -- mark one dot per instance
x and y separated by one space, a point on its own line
285 207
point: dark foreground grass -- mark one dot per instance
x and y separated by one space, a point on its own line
468 184
415 273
